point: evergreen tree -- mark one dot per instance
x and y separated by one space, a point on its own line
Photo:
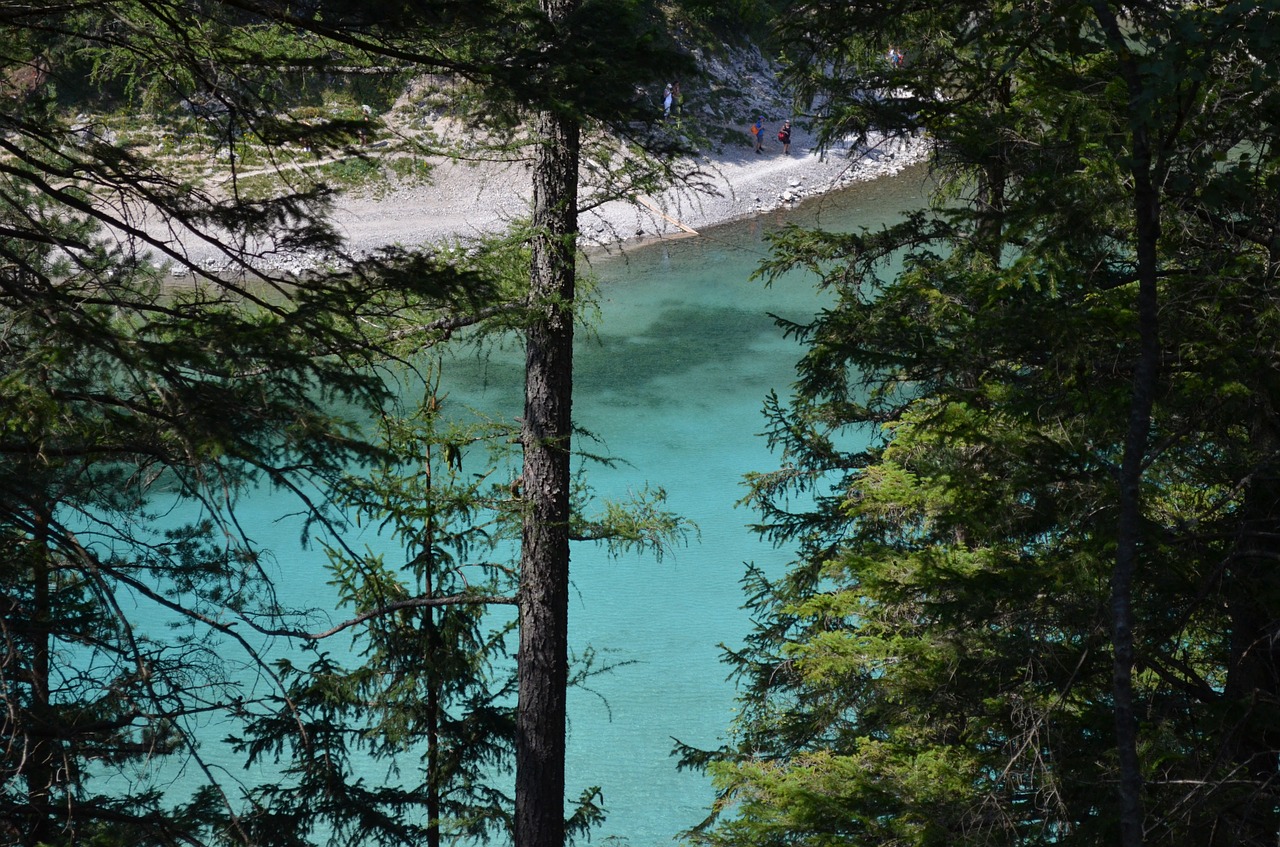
122 398
429 687
1016 613
124 395
197 393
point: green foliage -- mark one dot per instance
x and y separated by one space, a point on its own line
936 667
428 686
712 23
97 369
129 399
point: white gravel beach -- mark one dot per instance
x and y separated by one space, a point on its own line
462 201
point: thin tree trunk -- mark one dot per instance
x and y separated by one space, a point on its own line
1129 529
544 560
435 781
1146 208
993 183
41 766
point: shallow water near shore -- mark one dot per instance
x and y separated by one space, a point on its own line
671 378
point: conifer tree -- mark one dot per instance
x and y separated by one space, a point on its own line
122 394
428 685
1015 614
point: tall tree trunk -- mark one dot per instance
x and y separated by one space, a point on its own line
1146 210
544 558
1129 529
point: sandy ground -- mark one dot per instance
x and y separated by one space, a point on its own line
461 201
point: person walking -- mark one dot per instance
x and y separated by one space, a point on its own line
757 129
784 135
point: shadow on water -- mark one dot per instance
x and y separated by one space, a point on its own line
678 342
634 370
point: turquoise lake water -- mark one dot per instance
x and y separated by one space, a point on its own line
672 380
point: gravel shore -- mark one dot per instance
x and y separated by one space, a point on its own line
463 201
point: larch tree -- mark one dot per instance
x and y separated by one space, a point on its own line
546 439
549 74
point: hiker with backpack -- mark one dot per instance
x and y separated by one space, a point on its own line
784 135
757 129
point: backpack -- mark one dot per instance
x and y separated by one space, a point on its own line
782 135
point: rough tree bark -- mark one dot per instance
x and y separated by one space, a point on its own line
544 558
